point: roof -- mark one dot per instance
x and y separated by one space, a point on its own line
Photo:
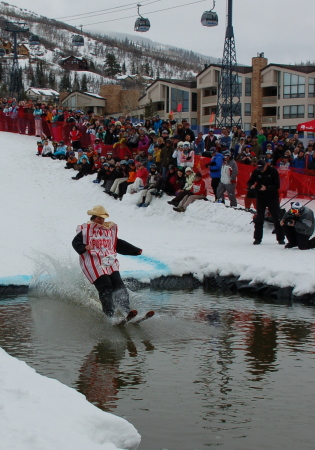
90 94
75 57
183 83
239 69
302 69
43 91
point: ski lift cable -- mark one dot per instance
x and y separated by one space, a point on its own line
110 12
132 5
152 12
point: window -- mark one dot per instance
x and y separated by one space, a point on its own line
179 97
247 126
206 111
248 87
311 86
248 109
193 122
311 111
194 101
293 86
206 92
293 112
240 86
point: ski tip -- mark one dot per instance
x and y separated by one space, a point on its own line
132 314
150 314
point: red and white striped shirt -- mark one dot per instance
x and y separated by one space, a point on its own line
104 242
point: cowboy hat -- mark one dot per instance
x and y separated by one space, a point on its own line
98 211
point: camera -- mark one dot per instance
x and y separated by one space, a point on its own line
290 219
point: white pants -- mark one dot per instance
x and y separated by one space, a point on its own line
115 186
136 186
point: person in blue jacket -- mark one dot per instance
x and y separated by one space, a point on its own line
61 151
215 169
157 124
298 163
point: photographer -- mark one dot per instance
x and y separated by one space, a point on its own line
266 182
298 225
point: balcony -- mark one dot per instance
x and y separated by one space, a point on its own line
210 99
205 118
272 99
269 119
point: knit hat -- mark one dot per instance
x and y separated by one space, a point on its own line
98 211
188 169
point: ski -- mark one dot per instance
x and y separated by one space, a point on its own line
148 315
129 316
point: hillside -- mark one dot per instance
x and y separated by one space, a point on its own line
56 43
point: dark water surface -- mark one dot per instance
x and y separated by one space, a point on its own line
206 371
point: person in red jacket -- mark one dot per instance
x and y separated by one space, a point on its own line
198 191
75 136
140 181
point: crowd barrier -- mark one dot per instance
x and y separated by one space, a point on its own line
292 183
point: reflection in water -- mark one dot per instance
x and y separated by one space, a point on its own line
222 373
101 378
261 343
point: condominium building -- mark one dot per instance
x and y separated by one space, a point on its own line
271 95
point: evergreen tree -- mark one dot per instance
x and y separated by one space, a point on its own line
65 82
76 83
133 68
112 65
40 75
149 109
91 66
84 86
123 69
1 71
52 80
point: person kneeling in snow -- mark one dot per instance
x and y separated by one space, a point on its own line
298 225
152 187
97 244
198 191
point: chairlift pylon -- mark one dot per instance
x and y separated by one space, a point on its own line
142 24
210 18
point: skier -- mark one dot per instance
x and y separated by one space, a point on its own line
97 244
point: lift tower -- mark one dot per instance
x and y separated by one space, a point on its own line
229 104
15 78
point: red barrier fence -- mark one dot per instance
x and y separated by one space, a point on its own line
291 183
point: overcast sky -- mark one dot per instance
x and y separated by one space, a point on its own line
282 29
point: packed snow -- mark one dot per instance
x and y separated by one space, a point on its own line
38 413
42 206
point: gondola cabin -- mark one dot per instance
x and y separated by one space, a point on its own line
209 19
142 24
77 40
34 40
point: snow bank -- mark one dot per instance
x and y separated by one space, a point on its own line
39 413
42 205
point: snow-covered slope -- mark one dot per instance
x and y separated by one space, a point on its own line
41 206
56 43
39 413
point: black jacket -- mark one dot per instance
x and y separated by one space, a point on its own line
122 247
269 178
